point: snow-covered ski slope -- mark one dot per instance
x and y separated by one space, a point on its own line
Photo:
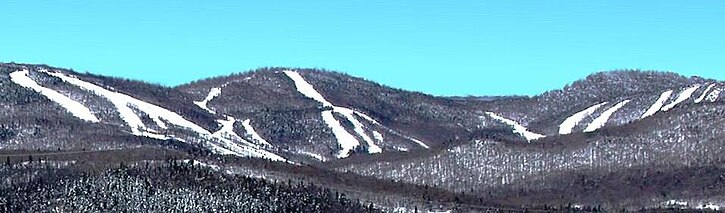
600 121
213 93
569 123
74 107
516 127
710 93
346 139
128 108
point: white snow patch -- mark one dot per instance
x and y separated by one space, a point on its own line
684 95
712 97
124 103
571 122
517 128
704 93
74 107
213 93
313 155
227 129
658 104
202 164
306 88
251 133
676 203
348 113
379 137
345 139
600 121
418 142
709 206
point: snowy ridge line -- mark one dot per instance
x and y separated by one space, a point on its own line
251 133
600 121
658 104
571 122
704 93
74 107
684 95
517 128
123 104
213 93
344 138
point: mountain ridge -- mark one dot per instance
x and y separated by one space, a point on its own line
275 122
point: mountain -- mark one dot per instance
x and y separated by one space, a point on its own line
344 132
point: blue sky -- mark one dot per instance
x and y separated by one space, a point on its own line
438 47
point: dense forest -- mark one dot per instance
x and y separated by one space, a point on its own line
172 186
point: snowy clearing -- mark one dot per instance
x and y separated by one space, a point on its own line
345 139
704 93
123 104
213 93
517 128
712 97
251 133
306 88
74 107
600 121
313 155
348 113
227 129
571 122
684 95
378 136
658 104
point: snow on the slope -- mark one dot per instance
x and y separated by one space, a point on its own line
253 133
345 139
709 206
227 129
123 104
74 107
658 104
313 155
358 128
571 122
517 128
600 121
684 95
704 93
378 136
712 97
306 88
202 164
418 142
213 93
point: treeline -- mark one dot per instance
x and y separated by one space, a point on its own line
172 186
